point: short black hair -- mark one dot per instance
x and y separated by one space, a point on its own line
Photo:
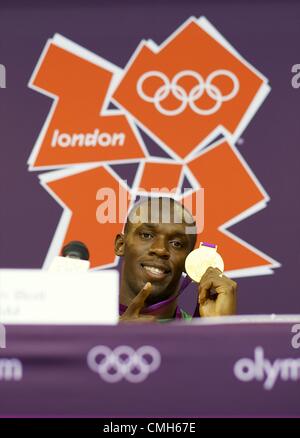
192 222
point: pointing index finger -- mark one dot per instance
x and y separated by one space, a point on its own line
139 301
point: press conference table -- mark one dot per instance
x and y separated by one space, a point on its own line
198 369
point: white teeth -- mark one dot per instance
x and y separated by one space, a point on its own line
154 270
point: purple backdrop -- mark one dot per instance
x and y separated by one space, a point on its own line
195 378
266 33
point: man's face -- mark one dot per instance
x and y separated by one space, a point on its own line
155 252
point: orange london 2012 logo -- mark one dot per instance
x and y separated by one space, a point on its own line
193 96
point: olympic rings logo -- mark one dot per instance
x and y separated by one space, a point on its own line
123 362
185 98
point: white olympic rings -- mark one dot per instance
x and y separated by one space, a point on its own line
185 98
123 362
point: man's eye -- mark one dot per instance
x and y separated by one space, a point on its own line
146 236
177 244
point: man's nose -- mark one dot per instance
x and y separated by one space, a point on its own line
159 249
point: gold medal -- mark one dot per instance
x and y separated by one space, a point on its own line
202 258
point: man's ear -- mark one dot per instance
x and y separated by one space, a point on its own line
119 245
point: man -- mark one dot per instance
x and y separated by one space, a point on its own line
158 236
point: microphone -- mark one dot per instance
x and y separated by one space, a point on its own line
76 250
74 258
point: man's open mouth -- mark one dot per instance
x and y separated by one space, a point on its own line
155 271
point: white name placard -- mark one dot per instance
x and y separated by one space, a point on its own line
68 264
43 297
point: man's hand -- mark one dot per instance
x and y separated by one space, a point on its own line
132 313
217 294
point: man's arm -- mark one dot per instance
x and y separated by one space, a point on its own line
132 313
